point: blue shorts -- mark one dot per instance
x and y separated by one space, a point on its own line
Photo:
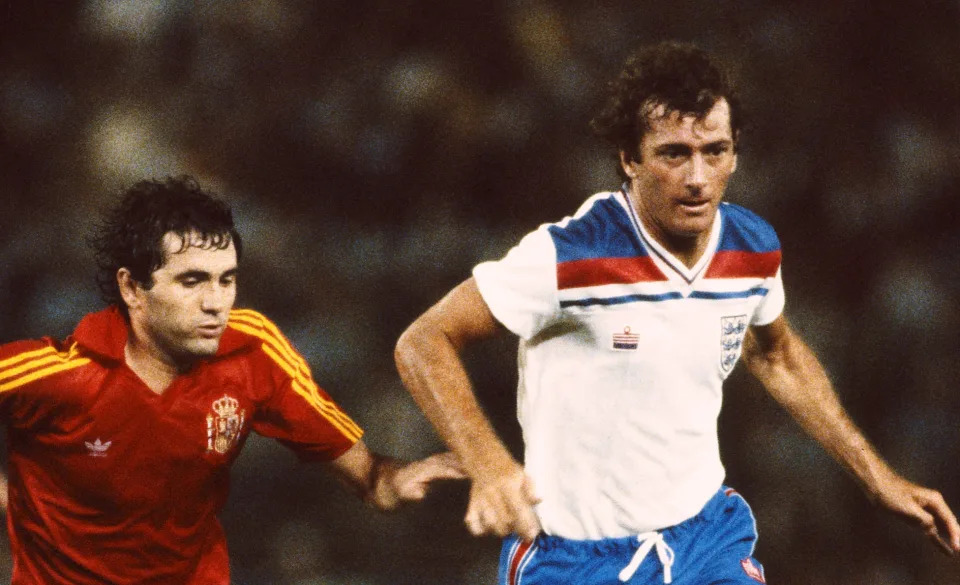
715 547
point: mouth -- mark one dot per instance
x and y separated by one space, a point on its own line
695 205
211 330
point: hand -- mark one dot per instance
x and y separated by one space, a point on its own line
501 503
412 481
925 507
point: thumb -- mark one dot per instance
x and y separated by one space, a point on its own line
529 492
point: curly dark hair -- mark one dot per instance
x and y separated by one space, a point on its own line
131 234
678 76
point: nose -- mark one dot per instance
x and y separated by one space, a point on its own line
216 299
697 173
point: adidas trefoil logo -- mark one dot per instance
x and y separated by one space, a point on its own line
97 448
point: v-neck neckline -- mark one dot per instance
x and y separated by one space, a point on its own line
667 261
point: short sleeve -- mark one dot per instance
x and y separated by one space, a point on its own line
521 288
33 374
304 418
297 412
772 304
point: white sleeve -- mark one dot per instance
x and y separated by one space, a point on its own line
521 288
772 304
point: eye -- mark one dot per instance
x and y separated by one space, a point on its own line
673 154
228 280
717 149
190 282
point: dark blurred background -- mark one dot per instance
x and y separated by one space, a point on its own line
374 151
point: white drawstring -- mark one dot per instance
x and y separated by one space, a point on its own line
647 541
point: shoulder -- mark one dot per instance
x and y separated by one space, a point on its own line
33 361
251 330
744 230
601 227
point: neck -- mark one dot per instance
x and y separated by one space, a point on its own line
686 249
150 364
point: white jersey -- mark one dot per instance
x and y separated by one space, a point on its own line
623 352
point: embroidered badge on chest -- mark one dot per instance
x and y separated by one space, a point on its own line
224 424
732 331
625 341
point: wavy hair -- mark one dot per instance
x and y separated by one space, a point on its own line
130 235
678 76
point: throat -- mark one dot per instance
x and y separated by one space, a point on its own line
156 374
687 250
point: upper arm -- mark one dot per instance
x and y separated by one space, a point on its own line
780 359
33 375
767 345
294 409
461 316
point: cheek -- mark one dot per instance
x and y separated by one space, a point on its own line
724 171
170 313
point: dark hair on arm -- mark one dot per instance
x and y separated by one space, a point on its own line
130 235
678 76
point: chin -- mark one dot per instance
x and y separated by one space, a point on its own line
202 349
692 230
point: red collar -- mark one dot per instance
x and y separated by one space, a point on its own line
105 333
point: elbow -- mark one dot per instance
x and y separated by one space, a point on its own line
408 346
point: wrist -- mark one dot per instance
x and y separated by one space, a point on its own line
384 494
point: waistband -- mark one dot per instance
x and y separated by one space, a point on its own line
710 510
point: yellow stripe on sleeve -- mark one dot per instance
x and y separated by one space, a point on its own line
31 365
40 363
26 356
282 345
278 349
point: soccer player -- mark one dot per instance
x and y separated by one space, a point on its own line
121 437
630 314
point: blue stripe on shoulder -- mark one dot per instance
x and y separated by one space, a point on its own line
604 231
745 231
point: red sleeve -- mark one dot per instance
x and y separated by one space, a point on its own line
298 413
27 370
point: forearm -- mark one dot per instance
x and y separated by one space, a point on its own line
793 376
432 371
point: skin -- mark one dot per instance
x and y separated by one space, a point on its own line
677 180
180 319
679 176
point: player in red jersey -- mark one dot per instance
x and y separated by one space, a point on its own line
121 436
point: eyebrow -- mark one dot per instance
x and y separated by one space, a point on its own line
719 142
203 275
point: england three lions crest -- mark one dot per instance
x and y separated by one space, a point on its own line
732 331
224 424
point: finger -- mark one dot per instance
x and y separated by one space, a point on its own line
929 525
525 522
416 491
486 514
472 520
494 521
934 535
529 492
527 526
946 521
448 472
450 460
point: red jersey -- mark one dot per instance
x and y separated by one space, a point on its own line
113 483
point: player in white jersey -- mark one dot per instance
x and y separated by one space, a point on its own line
630 314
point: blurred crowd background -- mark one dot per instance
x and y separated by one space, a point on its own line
375 150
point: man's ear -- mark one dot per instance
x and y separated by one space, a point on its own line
129 288
627 163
